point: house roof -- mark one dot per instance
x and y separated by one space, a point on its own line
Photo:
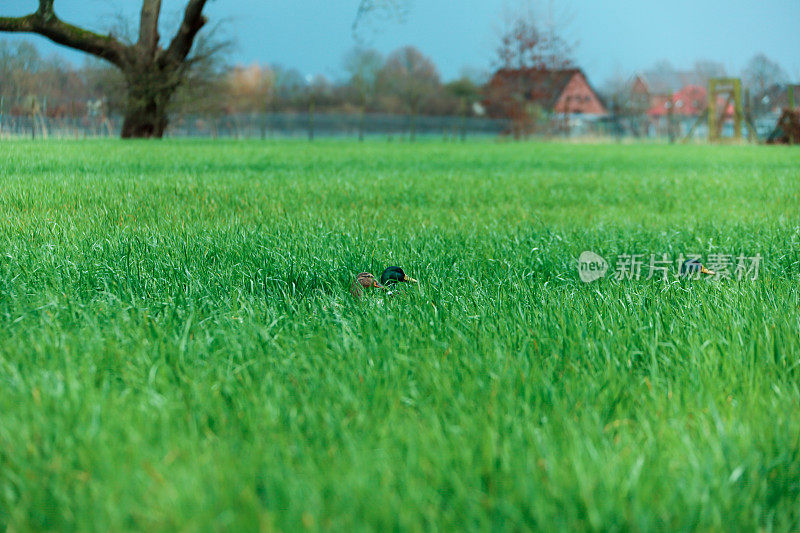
540 85
668 81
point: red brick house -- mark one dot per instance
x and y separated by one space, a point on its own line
671 101
563 91
690 101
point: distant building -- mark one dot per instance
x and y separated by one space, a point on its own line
776 98
682 93
562 91
664 82
673 100
689 101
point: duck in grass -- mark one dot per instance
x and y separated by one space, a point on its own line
693 268
389 277
364 281
395 274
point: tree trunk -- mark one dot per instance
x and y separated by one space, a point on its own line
144 121
152 72
149 94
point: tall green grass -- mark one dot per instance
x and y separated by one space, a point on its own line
179 348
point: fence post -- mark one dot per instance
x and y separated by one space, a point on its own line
463 125
737 109
361 123
311 120
712 110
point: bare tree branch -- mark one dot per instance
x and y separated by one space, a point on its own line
391 9
46 7
45 23
17 24
211 45
148 27
193 21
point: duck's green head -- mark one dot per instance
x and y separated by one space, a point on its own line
395 274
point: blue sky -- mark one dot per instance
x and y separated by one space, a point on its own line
614 36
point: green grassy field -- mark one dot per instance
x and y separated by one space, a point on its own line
179 349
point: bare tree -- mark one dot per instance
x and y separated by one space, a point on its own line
761 72
204 81
373 9
288 89
466 91
534 38
318 91
18 66
557 46
363 65
152 73
705 69
413 78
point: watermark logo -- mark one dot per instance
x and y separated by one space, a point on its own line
628 266
591 266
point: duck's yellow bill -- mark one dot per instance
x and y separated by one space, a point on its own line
411 280
704 270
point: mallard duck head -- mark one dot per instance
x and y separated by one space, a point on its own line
693 267
363 281
395 274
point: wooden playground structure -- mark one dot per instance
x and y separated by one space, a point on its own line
724 101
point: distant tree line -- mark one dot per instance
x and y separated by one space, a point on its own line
404 82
